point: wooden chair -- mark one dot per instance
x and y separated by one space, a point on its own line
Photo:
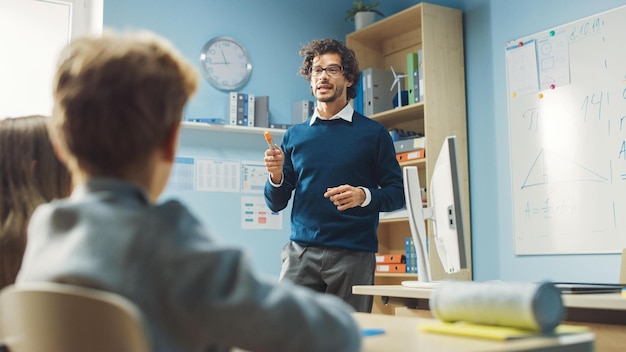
45 316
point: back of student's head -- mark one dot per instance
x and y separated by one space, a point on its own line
116 99
30 174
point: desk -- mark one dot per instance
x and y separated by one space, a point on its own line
402 334
605 313
607 308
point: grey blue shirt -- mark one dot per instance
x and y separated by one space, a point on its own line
195 294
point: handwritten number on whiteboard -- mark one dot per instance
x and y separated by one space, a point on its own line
596 101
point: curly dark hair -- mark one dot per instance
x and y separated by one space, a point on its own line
348 60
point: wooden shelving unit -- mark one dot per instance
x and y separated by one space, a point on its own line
438 32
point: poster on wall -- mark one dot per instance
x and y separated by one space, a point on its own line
256 215
253 176
182 177
216 175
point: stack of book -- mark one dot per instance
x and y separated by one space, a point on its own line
390 263
415 76
248 110
411 257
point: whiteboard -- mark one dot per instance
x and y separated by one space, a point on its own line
567 132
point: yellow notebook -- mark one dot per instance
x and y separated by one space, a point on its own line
495 332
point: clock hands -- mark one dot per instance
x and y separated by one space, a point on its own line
225 62
224 56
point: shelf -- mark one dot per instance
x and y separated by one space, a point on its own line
413 112
418 163
382 36
229 128
391 220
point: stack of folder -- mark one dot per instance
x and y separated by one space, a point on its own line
409 145
390 263
410 148
373 94
248 110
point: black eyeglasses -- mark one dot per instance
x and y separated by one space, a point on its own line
332 70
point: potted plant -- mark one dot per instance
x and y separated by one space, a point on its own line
363 14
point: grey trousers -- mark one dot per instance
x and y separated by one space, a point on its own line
330 270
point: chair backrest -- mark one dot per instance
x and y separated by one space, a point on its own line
47 316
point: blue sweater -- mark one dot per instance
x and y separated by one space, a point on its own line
331 153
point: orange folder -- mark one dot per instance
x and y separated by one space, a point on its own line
390 259
391 268
411 155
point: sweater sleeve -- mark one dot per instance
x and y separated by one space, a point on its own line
389 195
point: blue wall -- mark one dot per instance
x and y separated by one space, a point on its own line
273 31
221 211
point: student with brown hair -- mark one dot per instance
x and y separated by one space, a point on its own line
30 174
118 104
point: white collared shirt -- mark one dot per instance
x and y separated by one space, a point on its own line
345 114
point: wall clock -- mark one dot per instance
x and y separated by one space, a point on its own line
225 63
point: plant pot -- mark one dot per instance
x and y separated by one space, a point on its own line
363 19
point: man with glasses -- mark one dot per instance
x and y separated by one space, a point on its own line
342 169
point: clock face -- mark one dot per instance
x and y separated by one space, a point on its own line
225 63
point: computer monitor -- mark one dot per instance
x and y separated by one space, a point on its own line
445 212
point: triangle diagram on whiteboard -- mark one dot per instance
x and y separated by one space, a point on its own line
550 167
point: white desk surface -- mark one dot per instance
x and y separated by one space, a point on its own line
610 301
402 334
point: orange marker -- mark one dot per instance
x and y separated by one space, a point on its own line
268 139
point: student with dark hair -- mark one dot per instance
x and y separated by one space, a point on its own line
30 174
118 105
